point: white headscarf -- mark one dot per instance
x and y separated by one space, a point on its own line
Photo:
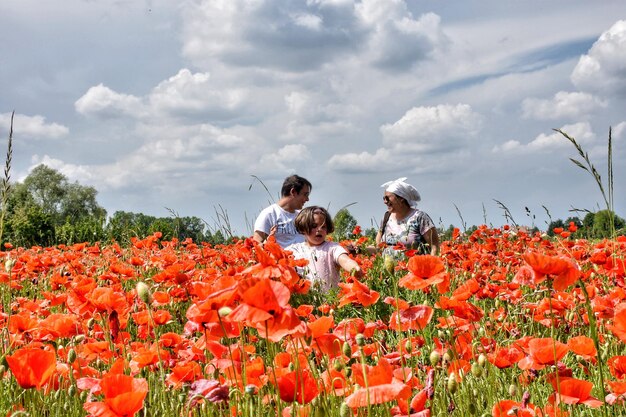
404 190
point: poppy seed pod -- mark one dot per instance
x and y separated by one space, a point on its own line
8 264
344 410
360 339
452 384
482 360
224 311
434 357
389 264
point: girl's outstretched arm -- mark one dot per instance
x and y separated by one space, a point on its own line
349 265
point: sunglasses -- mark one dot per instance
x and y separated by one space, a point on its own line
386 199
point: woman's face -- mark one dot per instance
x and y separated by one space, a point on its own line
318 232
392 201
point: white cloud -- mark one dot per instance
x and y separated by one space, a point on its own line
566 105
303 36
581 132
603 69
103 102
286 159
381 160
187 92
433 126
619 131
34 127
508 146
292 36
413 142
397 40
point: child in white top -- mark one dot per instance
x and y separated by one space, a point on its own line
325 257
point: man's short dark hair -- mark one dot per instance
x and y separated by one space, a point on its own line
294 182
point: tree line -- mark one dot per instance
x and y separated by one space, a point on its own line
47 209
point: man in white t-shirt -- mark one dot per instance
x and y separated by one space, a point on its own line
277 219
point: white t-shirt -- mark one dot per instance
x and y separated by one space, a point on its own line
286 232
323 260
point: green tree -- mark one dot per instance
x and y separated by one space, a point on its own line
47 204
123 225
602 227
344 224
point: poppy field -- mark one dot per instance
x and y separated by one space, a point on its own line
502 323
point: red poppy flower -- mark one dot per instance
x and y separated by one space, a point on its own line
618 328
542 352
506 408
563 271
265 306
506 357
573 391
583 346
414 318
298 386
425 270
378 385
377 394
123 396
32 367
617 366
355 292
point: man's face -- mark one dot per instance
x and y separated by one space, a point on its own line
300 198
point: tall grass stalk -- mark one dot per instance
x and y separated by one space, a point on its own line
6 184
587 165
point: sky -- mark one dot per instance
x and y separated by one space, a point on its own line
203 107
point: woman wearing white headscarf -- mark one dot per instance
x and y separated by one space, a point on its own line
404 224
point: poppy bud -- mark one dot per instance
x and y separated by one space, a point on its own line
3 369
90 323
360 339
453 385
435 357
250 389
338 365
477 370
408 347
79 338
346 349
447 356
513 390
71 356
143 291
71 391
